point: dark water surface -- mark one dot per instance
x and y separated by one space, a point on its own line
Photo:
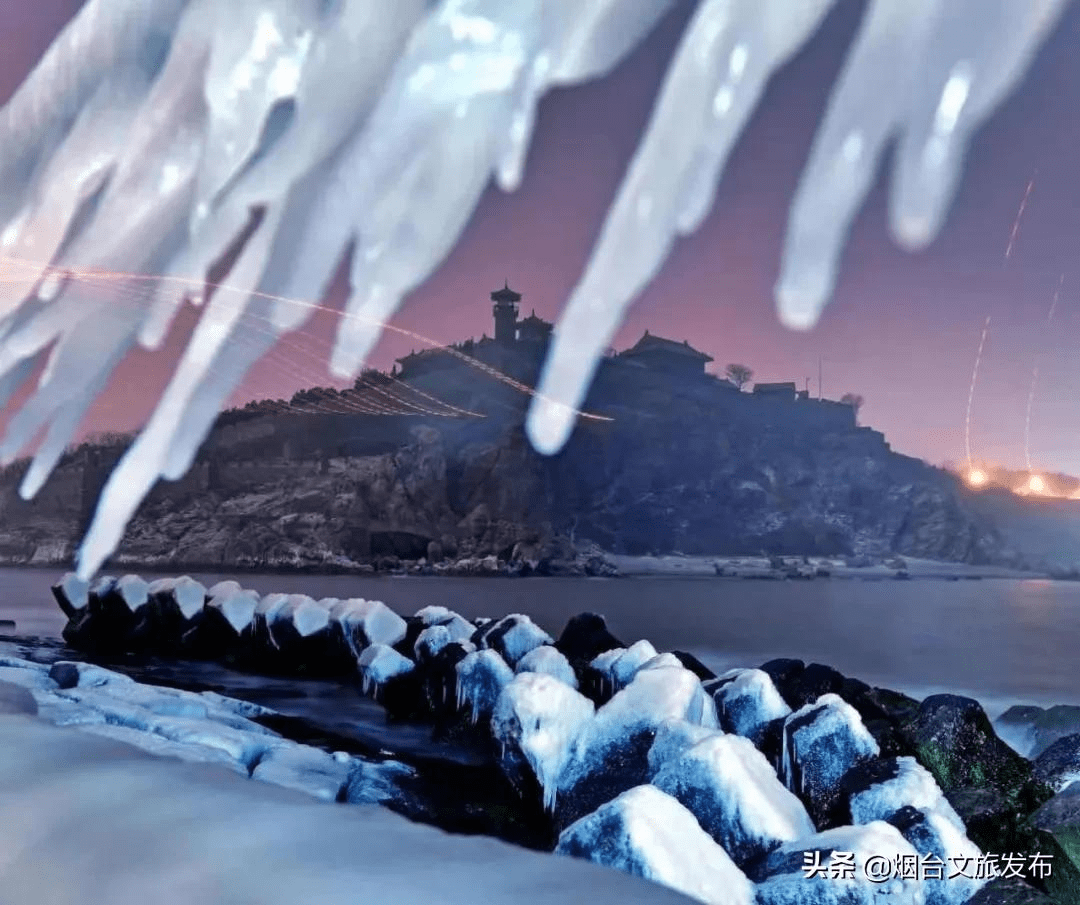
1002 641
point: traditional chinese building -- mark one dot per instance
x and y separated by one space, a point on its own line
666 355
786 390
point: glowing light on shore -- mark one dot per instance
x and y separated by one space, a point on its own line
1036 484
976 478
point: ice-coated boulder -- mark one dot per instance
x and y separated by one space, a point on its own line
120 614
878 788
177 607
439 683
732 790
596 678
432 615
71 674
362 623
549 661
72 594
535 722
815 869
512 637
612 754
300 630
227 618
262 648
1030 730
746 702
305 769
224 588
584 638
822 741
387 676
481 677
673 737
647 833
625 667
931 832
430 641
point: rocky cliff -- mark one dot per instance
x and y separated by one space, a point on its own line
684 466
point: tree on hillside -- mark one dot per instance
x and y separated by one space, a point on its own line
854 400
740 375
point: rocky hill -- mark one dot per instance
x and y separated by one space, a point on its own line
682 464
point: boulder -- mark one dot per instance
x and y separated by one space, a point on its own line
481 677
1057 828
626 665
1011 891
549 661
650 835
596 679
674 737
832 868
931 832
822 741
879 788
120 614
390 679
535 723
612 754
584 637
1031 730
512 637
72 594
695 666
746 702
177 607
729 786
226 626
262 649
1059 765
300 632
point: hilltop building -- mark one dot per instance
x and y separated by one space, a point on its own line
667 355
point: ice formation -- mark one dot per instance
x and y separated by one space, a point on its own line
747 701
549 661
481 677
155 137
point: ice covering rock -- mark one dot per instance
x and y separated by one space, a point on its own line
150 131
932 832
783 881
367 622
612 754
431 640
548 660
379 664
732 790
71 674
649 834
512 637
481 677
305 769
673 737
535 722
822 741
746 701
235 609
72 594
879 788
625 667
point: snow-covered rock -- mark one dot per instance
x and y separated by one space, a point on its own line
549 661
625 667
431 640
72 594
649 834
612 754
227 618
379 666
300 630
732 790
177 607
73 674
367 622
305 769
673 737
822 741
535 722
931 832
746 702
878 788
598 680
481 677
791 874
512 637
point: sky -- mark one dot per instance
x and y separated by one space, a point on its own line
903 330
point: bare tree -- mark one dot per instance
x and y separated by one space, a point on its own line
740 375
854 400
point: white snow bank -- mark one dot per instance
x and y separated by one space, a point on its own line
733 791
540 717
66 840
649 834
305 769
192 752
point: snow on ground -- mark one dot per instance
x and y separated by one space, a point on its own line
192 833
649 834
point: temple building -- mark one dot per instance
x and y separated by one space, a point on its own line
667 355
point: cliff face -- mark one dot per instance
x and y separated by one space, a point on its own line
686 467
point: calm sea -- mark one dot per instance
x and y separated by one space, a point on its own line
1001 641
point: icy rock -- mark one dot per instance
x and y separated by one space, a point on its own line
625 667
459 627
367 622
224 588
746 702
932 832
262 648
662 661
649 834
584 638
118 614
877 789
432 615
1058 765
732 790
72 594
612 754
1031 730
822 741
388 677
783 881
695 666
300 632
535 722
71 674
177 606
431 640
227 619
378 783
597 680
439 682
305 769
549 661
512 637
163 747
481 677
673 737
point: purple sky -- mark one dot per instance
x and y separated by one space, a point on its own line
903 329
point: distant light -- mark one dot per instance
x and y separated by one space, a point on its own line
976 478
1036 484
